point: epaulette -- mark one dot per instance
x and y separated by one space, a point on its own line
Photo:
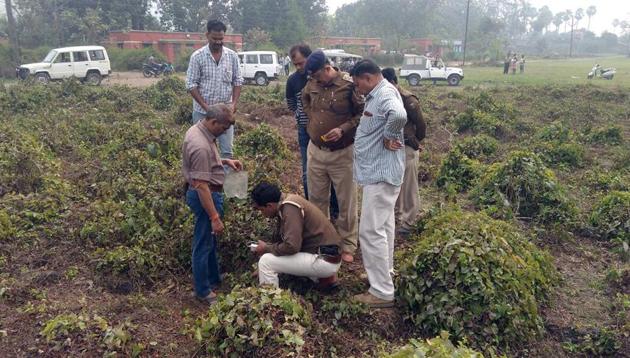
346 77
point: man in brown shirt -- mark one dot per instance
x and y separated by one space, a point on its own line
203 170
306 242
333 108
408 203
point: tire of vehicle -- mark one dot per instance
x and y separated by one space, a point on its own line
42 78
93 78
413 80
261 79
453 80
147 73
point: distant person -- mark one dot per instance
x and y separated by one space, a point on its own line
506 65
408 203
513 64
306 244
287 63
203 170
213 77
379 166
522 64
153 63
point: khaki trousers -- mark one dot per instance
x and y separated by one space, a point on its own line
324 167
408 203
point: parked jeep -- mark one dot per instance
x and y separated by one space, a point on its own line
420 68
89 63
259 66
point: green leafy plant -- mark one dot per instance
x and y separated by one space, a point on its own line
610 135
437 347
477 278
600 343
525 187
248 320
458 171
611 220
478 146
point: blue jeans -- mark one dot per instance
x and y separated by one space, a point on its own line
225 140
205 264
303 140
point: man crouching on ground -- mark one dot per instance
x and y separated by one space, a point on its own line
307 244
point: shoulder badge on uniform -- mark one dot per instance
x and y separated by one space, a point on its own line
346 77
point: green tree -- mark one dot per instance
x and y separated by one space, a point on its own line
544 18
590 12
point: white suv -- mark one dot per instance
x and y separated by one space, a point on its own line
421 68
89 63
260 66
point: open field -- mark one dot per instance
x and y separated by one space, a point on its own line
95 236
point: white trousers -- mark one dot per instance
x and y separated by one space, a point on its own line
376 237
300 264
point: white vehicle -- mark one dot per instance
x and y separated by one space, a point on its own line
260 66
89 63
419 68
341 59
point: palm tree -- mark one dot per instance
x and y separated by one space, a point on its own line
566 17
557 21
579 15
590 11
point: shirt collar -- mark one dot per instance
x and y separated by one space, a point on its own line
206 132
374 90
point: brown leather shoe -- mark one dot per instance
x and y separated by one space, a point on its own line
373 301
347 257
328 284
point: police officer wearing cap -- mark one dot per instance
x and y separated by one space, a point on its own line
334 108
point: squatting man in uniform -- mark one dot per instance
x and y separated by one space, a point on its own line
379 165
204 172
306 243
333 108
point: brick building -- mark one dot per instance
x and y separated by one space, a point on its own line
369 45
168 43
424 46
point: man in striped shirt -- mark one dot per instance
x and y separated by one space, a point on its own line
379 166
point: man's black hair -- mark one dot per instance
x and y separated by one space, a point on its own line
216 25
265 193
390 75
302 48
365 66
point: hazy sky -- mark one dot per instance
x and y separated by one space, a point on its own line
607 10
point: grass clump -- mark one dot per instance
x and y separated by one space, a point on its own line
608 136
458 172
437 347
523 186
478 146
485 115
611 220
252 321
476 278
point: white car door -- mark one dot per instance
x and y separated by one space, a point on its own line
61 66
437 70
251 66
98 60
81 63
267 65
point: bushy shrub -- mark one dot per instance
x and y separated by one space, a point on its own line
133 262
610 135
611 219
458 171
437 347
555 132
250 321
606 181
264 153
525 187
478 146
478 121
476 278
165 93
561 154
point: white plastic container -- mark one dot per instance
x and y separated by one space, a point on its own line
235 184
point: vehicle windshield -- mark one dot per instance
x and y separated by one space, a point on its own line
51 55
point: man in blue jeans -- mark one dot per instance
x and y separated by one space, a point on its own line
204 172
214 77
295 84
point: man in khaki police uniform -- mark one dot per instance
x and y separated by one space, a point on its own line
333 108
408 203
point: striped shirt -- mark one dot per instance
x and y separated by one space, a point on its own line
295 84
384 116
215 81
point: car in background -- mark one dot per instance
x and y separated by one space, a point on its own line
421 68
260 66
341 59
88 63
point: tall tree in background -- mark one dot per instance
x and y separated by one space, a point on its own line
192 15
579 15
590 12
12 31
558 19
544 18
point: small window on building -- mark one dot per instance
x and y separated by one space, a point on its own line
120 45
266 59
96 55
80 56
147 45
63 57
252 59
